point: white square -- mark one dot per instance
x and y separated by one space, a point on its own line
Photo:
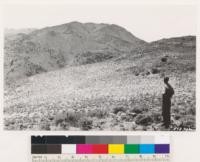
68 149
162 139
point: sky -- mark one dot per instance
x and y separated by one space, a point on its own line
147 22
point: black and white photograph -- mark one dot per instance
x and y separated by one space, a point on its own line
105 67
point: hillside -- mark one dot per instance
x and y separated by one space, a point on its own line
70 44
123 92
11 32
171 56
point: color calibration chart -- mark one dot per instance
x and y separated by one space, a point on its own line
100 148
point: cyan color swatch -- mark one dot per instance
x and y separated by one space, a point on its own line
147 148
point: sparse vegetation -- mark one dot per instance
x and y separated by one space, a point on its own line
140 109
112 87
86 123
98 112
119 109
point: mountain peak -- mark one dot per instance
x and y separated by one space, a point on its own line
73 43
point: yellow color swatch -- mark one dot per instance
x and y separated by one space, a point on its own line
116 148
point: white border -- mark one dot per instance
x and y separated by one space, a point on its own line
185 145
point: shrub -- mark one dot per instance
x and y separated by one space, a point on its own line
143 119
189 123
59 117
147 73
71 117
32 69
137 74
136 110
177 117
164 59
156 116
191 68
154 71
192 111
98 112
119 109
6 123
86 123
45 126
176 110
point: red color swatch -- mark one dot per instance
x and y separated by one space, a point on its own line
100 149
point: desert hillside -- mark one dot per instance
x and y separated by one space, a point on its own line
71 44
96 77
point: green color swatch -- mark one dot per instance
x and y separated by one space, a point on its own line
131 149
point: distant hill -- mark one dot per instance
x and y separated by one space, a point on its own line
11 32
183 44
166 56
51 48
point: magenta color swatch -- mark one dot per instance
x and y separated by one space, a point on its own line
84 149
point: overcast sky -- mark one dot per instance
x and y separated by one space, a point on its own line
148 22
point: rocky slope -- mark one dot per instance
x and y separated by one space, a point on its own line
96 77
74 43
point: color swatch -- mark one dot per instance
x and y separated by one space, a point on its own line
100 145
116 149
132 148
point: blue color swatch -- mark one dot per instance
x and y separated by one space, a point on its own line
147 148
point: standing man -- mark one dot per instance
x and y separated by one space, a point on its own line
166 103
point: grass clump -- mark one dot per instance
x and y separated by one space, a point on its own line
86 123
67 117
117 109
98 112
